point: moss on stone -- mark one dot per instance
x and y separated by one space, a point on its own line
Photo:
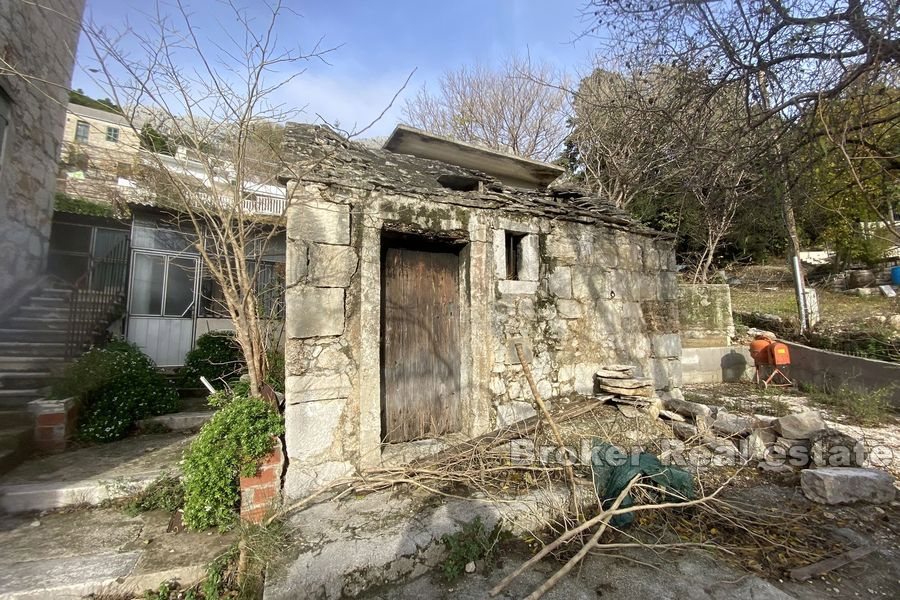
82 206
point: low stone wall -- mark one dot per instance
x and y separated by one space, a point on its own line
716 365
834 371
704 313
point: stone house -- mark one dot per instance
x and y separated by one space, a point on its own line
99 154
414 270
38 40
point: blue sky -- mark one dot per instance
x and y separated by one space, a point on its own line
381 42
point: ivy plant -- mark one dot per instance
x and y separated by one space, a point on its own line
229 445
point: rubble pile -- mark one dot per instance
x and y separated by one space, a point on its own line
617 384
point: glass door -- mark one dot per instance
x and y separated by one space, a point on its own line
162 305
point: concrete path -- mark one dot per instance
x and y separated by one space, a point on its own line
671 576
91 475
68 555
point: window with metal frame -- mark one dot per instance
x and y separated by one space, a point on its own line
82 130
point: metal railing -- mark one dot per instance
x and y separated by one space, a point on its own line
96 297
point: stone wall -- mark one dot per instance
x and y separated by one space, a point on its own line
705 315
39 40
587 295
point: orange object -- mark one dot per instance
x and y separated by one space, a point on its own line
779 354
759 350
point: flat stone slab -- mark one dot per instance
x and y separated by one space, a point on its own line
71 554
843 485
345 547
91 475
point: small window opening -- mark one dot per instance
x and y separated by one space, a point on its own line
81 131
514 254
459 183
112 134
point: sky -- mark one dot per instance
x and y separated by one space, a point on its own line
378 44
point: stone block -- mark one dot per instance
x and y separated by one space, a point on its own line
686 407
319 221
515 287
313 388
732 424
832 448
296 263
313 430
512 357
331 266
569 309
507 414
560 282
840 485
590 284
667 345
800 426
314 312
302 479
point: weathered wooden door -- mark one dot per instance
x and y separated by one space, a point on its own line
420 344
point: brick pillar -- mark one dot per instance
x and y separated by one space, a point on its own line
261 492
54 423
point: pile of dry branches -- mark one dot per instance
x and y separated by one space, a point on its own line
763 539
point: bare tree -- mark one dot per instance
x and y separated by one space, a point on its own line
624 143
218 101
509 109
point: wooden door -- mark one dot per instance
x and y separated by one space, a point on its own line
420 365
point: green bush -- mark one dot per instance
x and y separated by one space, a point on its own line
473 542
216 356
117 385
229 445
165 493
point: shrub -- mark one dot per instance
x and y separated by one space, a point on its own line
229 445
216 356
872 408
473 542
117 385
164 493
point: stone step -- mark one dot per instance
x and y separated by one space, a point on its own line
26 380
48 301
32 348
15 446
30 363
44 311
24 334
100 553
40 323
91 474
15 418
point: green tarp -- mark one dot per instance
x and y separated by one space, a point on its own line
613 469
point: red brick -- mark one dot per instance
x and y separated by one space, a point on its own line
51 419
263 495
43 434
254 516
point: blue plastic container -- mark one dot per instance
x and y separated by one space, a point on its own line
895 275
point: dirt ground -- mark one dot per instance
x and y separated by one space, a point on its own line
762 528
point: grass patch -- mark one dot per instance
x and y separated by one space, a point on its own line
472 543
165 493
834 308
859 408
